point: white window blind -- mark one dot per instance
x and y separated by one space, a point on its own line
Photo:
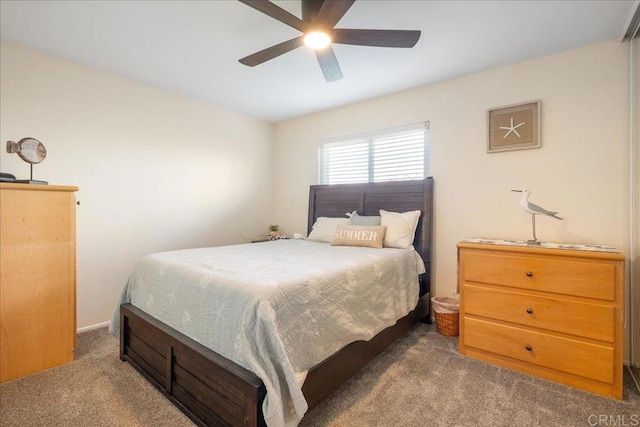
388 155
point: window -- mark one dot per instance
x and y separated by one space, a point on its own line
387 155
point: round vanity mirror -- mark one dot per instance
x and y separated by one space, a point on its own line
29 149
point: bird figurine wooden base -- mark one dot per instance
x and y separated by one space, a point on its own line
534 210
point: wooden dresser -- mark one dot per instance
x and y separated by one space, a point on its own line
553 313
37 278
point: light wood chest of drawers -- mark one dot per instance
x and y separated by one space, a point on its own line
37 278
553 313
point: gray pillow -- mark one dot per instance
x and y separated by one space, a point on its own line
365 220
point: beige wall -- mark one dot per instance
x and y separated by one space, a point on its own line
156 171
582 169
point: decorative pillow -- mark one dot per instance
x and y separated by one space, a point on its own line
401 228
359 235
364 220
324 229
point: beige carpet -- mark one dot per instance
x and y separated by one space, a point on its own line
419 381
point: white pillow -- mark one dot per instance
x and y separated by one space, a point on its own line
324 229
401 228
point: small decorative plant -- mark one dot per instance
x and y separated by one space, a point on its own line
273 231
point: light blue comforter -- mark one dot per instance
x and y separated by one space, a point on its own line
277 308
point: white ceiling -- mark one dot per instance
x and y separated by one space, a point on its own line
193 47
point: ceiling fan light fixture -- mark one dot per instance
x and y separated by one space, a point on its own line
319 32
317 40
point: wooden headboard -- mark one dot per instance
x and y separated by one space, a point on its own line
368 199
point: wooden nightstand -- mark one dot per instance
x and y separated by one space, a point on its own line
553 313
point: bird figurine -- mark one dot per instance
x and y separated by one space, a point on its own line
533 209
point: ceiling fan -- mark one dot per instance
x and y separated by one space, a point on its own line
319 18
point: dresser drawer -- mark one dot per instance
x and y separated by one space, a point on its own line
570 317
570 276
572 356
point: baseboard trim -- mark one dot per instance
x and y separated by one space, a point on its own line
92 327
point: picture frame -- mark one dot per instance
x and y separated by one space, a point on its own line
513 127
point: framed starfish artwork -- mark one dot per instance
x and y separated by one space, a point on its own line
513 127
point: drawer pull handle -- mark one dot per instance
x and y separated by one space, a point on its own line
529 274
529 311
529 348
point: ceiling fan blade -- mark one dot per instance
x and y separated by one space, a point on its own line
329 64
380 38
271 52
310 9
332 12
276 12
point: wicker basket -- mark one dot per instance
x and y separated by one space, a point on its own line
448 323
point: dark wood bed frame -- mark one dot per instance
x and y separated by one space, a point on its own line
214 391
